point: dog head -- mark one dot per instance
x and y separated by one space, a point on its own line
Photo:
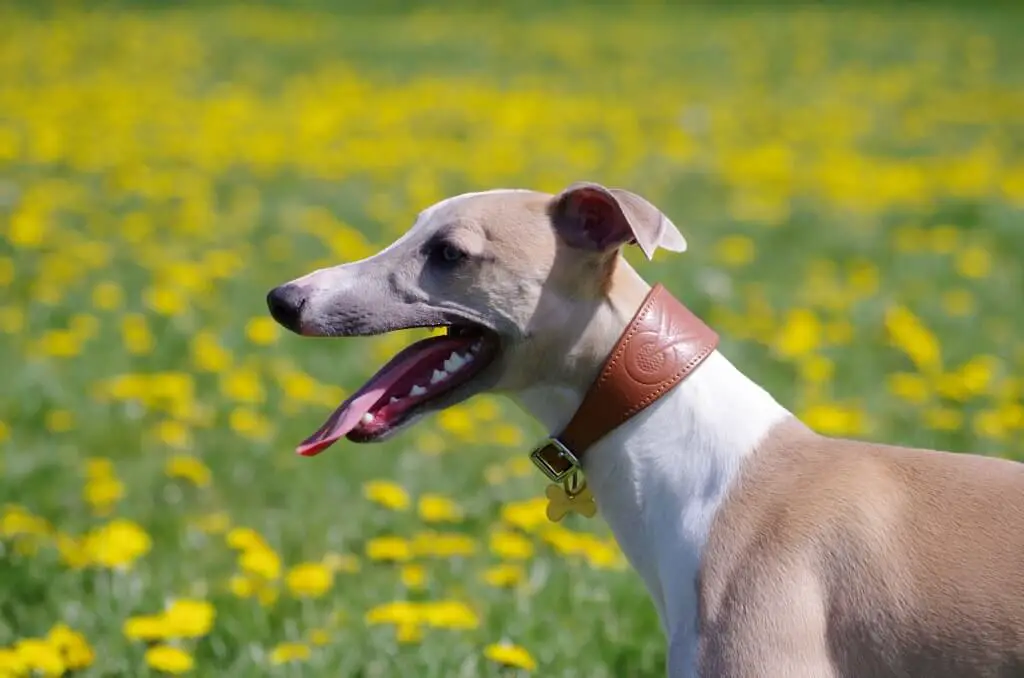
517 277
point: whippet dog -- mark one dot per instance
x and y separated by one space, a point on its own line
768 550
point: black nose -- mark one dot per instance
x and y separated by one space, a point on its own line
285 304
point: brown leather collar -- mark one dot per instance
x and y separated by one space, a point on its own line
663 344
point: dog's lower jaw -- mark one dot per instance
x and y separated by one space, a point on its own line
660 478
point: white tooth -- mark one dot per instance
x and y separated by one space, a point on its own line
367 418
455 362
417 391
394 399
476 346
439 375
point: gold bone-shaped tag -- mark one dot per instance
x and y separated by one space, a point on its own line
572 496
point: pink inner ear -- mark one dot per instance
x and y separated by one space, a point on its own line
591 219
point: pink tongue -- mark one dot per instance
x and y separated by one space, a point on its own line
344 419
350 412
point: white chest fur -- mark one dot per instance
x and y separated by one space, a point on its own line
660 478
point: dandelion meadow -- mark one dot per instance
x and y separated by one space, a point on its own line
851 183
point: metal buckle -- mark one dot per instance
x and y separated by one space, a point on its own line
554 474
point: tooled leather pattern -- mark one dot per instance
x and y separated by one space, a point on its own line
662 345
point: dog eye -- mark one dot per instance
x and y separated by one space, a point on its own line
446 254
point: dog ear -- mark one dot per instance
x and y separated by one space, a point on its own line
590 216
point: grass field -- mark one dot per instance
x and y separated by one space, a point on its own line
851 184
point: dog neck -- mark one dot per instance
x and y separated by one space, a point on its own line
660 477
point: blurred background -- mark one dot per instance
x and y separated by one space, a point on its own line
850 180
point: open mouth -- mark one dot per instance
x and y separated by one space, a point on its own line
420 374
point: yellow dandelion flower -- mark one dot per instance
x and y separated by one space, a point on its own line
511 656
208 355
974 262
520 467
243 586
816 369
189 618
978 374
908 333
398 612
952 386
262 562
267 595
118 544
84 325
248 423
169 659
443 544
73 647
174 433
485 408
12 319
864 278
386 493
285 653
107 296
388 548
146 627
319 636
944 239
958 303
510 545
735 250
834 419
839 332
799 335
407 634
989 424
101 493
450 614
414 576
217 522
19 521
457 421
59 421
188 468
943 419
136 335
436 508
603 554
245 538
527 515
60 344
495 474
72 551
11 664
299 386
430 443
309 580
910 387
28 228
507 435
262 331
164 300
505 575
243 385
99 467
341 562
40 655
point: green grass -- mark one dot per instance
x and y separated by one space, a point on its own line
825 165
